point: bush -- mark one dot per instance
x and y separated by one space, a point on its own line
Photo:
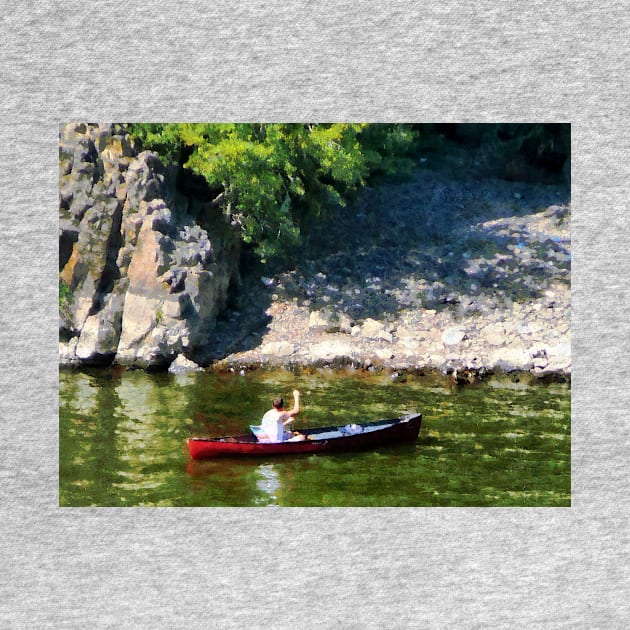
65 294
271 180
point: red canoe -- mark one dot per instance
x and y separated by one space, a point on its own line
335 439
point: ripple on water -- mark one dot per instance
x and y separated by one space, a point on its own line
122 442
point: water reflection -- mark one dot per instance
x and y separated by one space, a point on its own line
88 439
122 442
223 482
268 483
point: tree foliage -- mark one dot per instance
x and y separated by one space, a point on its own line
272 179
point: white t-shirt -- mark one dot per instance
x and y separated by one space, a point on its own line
271 424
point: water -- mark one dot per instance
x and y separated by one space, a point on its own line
122 441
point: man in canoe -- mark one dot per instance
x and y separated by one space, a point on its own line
274 421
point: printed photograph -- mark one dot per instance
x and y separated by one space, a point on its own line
314 315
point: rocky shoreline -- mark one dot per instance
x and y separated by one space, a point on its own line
463 324
442 272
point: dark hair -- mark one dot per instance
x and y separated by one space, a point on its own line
277 403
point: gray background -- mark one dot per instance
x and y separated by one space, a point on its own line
326 61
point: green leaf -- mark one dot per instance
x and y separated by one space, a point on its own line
276 177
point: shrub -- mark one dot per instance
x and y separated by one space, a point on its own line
272 179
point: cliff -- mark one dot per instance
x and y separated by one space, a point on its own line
145 269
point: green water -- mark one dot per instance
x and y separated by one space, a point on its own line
122 442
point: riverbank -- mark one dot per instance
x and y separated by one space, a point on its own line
447 270
454 275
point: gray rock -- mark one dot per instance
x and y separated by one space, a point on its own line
318 320
182 365
98 340
333 352
144 179
330 322
372 329
124 231
383 354
453 336
559 357
511 359
67 352
120 236
278 349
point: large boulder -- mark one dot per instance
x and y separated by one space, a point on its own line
182 365
511 358
147 280
375 330
100 333
334 353
453 336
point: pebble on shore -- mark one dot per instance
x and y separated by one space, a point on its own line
503 304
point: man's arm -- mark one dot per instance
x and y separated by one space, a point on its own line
296 407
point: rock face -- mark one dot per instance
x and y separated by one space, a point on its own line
147 278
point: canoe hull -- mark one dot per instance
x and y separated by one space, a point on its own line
373 434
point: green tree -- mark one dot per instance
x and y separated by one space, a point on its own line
272 179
